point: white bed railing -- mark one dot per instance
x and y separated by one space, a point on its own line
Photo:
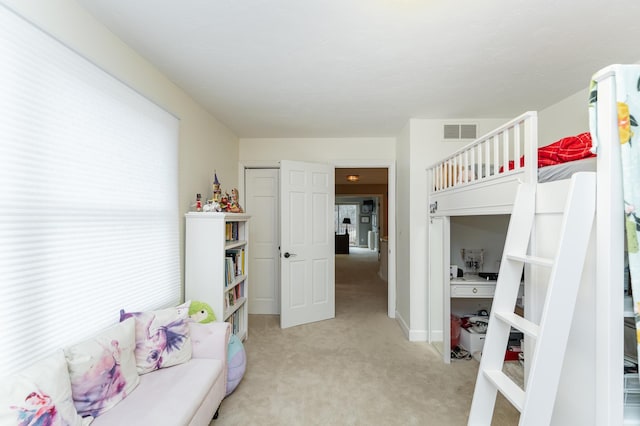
490 157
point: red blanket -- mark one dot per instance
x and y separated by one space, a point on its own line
566 149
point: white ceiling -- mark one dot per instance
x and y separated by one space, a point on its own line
338 68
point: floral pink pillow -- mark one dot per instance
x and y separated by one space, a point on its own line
40 395
103 369
162 337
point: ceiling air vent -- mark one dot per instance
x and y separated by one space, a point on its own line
460 131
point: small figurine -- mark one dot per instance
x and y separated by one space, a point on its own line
197 206
235 204
217 194
224 202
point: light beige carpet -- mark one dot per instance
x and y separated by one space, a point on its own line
356 369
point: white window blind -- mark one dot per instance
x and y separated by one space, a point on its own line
88 197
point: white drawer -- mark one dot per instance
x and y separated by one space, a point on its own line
477 290
473 290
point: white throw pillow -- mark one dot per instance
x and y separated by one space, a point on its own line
40 394
162 337
103 369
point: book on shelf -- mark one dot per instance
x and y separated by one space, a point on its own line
234 320
231 231
229 271
238 260
228 300
231 321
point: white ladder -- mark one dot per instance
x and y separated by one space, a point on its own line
551 334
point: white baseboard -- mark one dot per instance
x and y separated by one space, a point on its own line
418 335
403 325
436 336
411 335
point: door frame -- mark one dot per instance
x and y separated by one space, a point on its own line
390 165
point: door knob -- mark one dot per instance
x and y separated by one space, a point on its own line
288 255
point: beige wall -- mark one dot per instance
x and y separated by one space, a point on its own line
328 150
205 143
570 116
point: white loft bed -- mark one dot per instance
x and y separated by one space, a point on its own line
470 182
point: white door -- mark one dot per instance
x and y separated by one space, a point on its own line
307 263
261 189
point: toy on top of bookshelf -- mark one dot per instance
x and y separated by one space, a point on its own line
217 193
230 203
213 205
197 206
222 201
234 201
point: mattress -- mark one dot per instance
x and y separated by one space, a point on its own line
545 174
566 170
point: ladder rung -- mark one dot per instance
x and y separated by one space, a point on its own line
507 387
527 327
531 260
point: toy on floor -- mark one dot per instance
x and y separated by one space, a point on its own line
236 363
201 312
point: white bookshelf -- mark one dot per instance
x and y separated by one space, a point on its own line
216 265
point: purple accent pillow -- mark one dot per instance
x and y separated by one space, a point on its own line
40 394
162 337
103 369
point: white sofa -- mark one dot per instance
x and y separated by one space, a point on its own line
185 394
126 375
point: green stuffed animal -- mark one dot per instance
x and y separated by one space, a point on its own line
201 312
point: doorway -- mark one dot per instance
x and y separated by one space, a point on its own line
362 197
385 220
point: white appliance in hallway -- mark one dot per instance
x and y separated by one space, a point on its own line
373 240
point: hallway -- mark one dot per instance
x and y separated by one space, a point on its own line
358 286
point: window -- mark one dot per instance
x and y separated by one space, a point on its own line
349 211
88 197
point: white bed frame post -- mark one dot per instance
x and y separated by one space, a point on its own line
531 149
610 258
